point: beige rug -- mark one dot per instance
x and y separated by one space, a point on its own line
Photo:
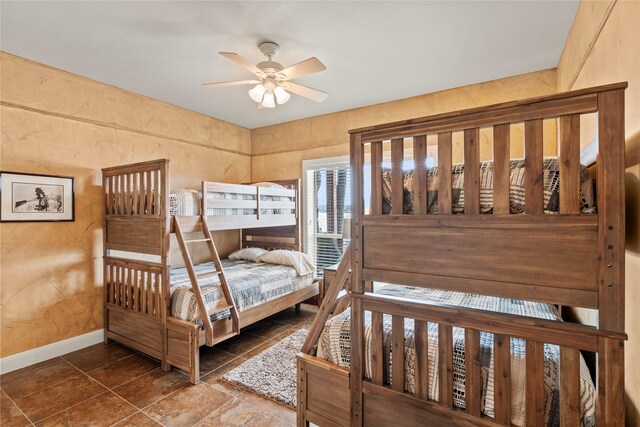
272 373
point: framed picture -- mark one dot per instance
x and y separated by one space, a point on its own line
34 197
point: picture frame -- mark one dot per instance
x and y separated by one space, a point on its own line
30 197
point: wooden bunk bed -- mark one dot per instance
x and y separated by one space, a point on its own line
568 258
137 280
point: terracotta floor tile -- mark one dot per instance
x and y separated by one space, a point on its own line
31 368
240 344
187 406
56 393
239 413
151 387
213 358
267 328
3 397
216 374
286 333
307 324
123 370
102 410
51 400
96 356
286 424
259 349
267 405
139 419
226 386
10 415
294 317
33 378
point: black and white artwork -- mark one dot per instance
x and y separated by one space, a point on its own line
31 197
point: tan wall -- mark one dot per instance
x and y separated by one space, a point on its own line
58 123
604 47
278 150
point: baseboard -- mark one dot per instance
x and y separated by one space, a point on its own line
40 354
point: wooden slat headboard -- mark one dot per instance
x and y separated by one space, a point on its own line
284 237
571 258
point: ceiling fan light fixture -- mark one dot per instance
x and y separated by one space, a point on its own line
269 100
282 95
257 93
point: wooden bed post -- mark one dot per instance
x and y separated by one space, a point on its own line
164 258
610 192
357 284
108 194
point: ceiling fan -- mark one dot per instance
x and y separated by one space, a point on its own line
273 81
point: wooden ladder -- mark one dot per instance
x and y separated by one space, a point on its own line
336 300
225 303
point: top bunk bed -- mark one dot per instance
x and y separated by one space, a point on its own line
235 206
140 209
493 228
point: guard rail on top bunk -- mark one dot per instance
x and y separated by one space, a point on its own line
569 258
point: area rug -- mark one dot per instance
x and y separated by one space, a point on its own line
272 373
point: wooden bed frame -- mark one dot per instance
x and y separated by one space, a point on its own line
136 290
499 254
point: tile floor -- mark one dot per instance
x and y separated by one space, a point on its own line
107 385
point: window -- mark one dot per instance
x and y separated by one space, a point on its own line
327 205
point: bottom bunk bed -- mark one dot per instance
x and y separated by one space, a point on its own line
335 342
252 284
258 290
428 352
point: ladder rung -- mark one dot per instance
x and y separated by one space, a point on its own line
224 337
219 308
206 239
208 273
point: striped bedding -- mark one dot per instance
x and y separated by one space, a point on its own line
186 202
334 345
251 284
516 192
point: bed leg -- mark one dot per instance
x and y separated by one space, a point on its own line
298 306
194 355
302 397
611 382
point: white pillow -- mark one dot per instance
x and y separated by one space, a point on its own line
248 254
298 260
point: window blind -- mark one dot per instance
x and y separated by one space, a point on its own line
330 205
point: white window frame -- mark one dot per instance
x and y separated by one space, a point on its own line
307 184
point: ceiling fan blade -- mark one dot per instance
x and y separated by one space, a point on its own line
234 83
307 92
308 66
242 62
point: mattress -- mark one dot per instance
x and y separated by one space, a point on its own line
334 345
516 189
251 284
187 202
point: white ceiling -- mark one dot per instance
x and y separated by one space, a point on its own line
374 51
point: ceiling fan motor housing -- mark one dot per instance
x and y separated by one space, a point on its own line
270 67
